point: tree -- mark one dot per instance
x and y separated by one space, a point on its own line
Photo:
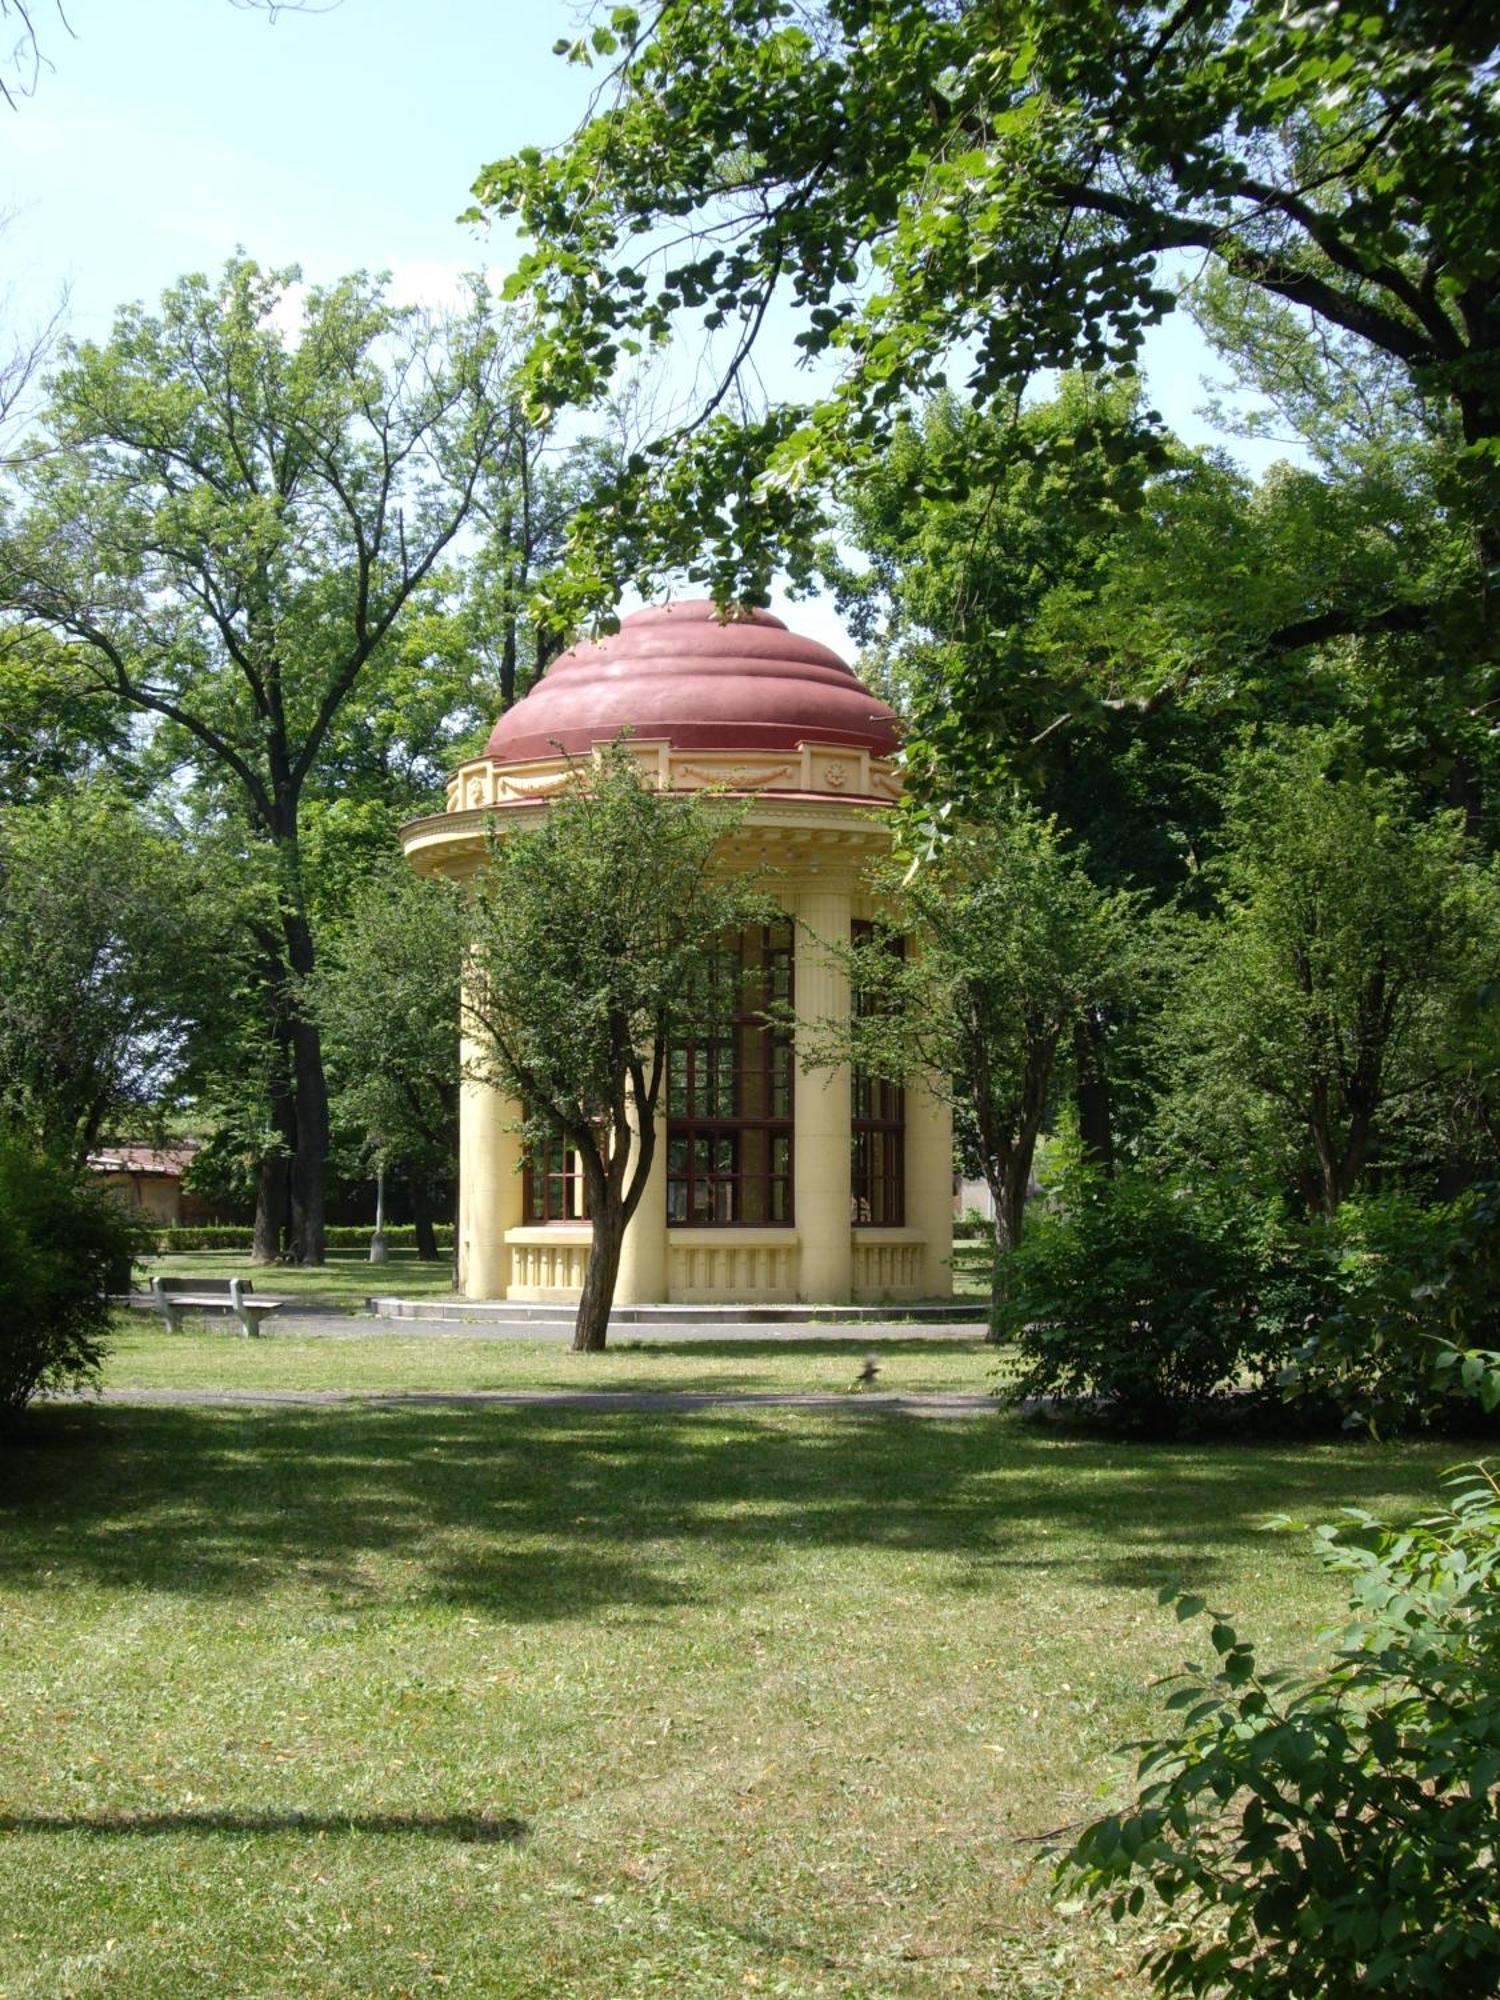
992 188
64 1247
517 562
593 946
56 730
1099 617
1354 935
387 999
112 950
1000 945
229 525
1078 630
1114 612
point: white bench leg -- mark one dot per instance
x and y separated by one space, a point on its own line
247 1311
169 1312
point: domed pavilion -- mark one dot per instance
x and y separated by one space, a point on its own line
769 1182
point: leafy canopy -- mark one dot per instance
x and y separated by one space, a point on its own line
114 948
985 191
1322 1005
386 997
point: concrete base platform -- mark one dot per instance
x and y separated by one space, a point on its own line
507 1312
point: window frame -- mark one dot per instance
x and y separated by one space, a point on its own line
877 1123
563 1188
710 1068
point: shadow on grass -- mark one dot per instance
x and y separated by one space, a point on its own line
469 1829
851 1347
531 1514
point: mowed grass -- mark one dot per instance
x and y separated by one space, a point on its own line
535 1701
212 1354
347 1279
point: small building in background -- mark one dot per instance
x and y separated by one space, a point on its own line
149 1178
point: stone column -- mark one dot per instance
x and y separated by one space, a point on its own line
821 1102
489 1186
642 1279
929 1184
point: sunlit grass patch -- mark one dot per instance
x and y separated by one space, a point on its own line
212 1353
533 1701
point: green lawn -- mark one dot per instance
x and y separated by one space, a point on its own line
515 1702
972 1259
347 1279
212 1353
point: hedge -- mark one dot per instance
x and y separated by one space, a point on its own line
339 1236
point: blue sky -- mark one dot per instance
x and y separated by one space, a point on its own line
168 132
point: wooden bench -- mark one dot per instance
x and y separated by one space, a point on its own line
176 1296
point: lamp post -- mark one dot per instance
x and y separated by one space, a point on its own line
377 1241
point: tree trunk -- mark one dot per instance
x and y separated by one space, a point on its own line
1091 1093
273 1173
310 1089
591 1329
310 1166
1009 1191
271 1184
1339 1167
508 664
1007 1180
1466 793
422 1222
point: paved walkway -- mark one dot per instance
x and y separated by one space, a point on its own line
328 1323
936 1403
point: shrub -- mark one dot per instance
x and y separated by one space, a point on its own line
1327 1834
64 1246
1139 1301
1146 1302
401 1236
1404 1289
204 1236
341 1236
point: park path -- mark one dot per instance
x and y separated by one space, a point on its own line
329 1323
934 1403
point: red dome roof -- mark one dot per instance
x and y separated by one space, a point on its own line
675 673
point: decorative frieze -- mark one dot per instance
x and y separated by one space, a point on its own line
818 769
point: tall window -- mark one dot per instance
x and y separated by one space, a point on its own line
729 1093
553 1188
877 1136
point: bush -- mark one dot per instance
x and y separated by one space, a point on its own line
1147 1303
401 1236
204 1236
1332 1833
64 1246
1404 1288
340 1236
1139 1301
